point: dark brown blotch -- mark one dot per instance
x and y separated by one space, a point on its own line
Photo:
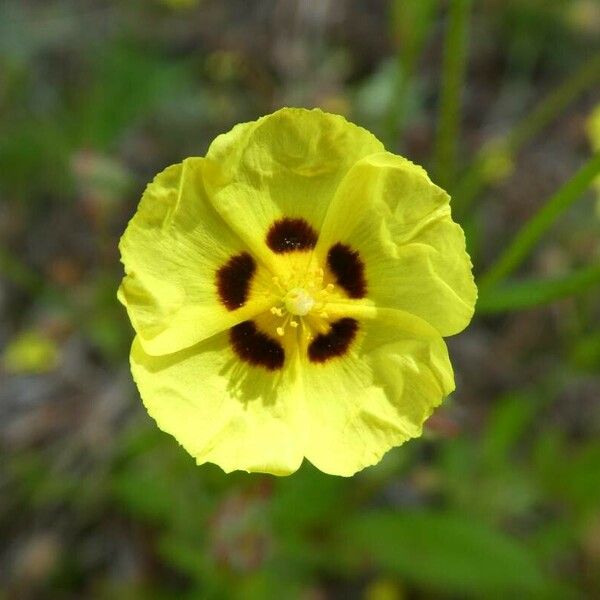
348 269
291 235
255 347
233 280
335 342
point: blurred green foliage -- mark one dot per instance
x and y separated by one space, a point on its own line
459 524
502 496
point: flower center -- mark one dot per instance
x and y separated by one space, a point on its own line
302 304
298 302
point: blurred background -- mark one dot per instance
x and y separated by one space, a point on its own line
501 496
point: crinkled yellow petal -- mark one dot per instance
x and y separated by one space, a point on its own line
342 415
377 397
171 250
220 410
414 254
287 164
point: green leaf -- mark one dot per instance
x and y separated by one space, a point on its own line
453 74
517 295
410 25
451 553
511 416
525 240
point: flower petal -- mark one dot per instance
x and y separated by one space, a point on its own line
220 410
285 165
172 249
378 396
343 415
388 210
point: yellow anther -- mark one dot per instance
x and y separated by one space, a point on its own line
303 300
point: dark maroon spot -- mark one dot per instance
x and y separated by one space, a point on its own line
290 235
255 347
348 269
335 342
233 280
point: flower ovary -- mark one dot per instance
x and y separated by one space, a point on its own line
299 302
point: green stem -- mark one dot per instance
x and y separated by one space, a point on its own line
455 59
532 231
410 24
517 295
504 148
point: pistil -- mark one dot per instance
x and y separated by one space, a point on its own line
299 302
303 302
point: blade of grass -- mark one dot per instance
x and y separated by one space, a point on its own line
482 172
410 24
554 104
453 71
516 252
517 295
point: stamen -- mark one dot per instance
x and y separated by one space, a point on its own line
282 285
281 330
302 303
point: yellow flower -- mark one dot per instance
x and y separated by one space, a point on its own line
290 292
